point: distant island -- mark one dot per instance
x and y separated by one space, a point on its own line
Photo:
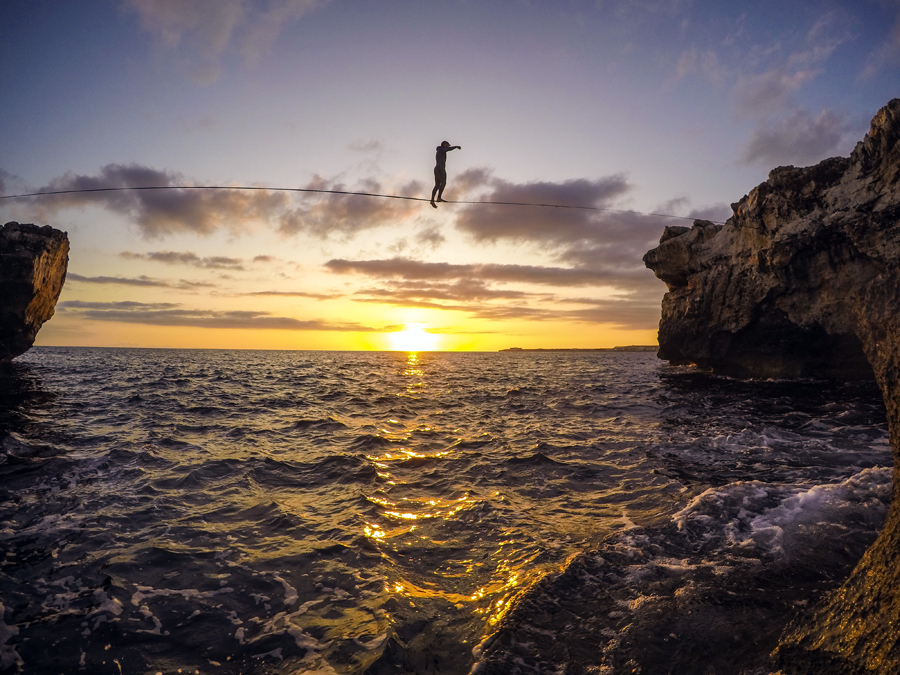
629 348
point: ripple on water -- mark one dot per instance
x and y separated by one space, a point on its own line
266 512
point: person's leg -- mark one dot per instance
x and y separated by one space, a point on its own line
440 180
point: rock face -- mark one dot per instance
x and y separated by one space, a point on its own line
804 280
33 262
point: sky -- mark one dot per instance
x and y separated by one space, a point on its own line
649 112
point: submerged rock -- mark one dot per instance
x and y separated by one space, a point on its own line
33 262
804 281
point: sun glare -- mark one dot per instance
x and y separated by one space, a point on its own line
413 338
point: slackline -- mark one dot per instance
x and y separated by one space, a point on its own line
338 192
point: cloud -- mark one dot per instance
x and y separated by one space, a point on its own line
7 180
488 291
888 52
187 258
296 294
492 222
177 208
183 284
614 238
171 314
430 238
798 139
348 214
163 203
461 290
366 147
120 305
329 209
623 313
598 245
705 63
639 311
202 31
771 91
406 268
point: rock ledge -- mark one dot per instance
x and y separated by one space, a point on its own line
804 281
33 263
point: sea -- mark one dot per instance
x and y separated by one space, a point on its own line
242 512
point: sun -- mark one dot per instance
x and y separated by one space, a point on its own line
413 338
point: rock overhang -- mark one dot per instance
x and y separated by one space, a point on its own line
804 281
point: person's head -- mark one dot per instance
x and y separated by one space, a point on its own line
445 144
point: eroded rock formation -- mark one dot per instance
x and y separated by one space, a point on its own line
804 280
33 262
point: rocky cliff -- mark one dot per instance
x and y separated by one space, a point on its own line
33 262
804 280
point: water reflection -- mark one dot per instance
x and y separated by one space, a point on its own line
312 510
443 548
416 374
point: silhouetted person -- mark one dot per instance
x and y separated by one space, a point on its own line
440 170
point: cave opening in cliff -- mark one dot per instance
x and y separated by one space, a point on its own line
779 348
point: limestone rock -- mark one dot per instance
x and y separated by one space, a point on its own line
33 262
804 280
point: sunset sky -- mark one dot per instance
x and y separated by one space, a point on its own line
634 107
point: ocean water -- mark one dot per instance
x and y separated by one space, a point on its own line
191 511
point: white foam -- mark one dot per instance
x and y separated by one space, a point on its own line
157 624
374 643
144 592
290 593
752 514
306 641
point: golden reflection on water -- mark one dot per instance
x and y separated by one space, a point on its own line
414 370
495 574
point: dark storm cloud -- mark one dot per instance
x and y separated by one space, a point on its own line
171 314
187 258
